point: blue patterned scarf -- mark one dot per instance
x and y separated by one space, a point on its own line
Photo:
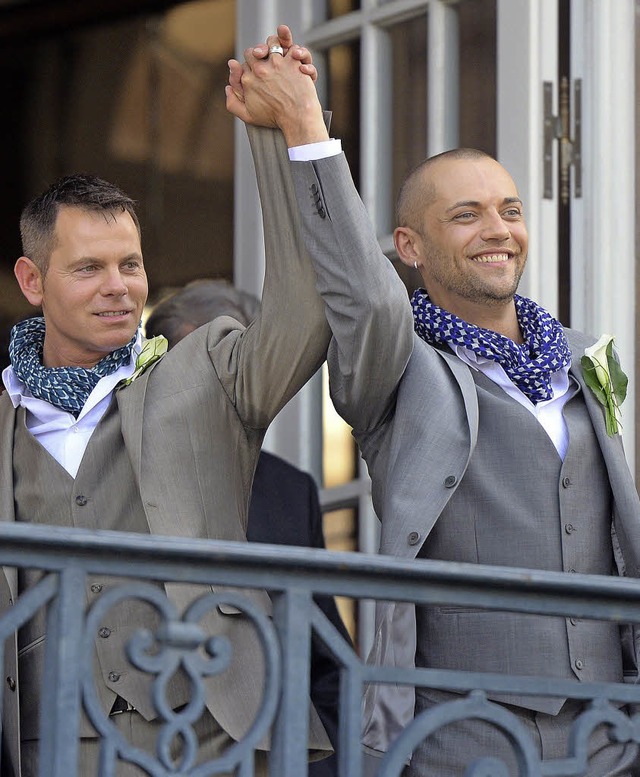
67 388
529 366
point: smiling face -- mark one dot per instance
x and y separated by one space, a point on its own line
470 239
94 289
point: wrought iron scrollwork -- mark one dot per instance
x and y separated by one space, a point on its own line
179 645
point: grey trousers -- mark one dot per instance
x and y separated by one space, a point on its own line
212 740
449 751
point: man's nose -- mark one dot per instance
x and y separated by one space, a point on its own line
494 227
114 284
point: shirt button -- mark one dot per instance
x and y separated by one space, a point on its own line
104 632
569 528
450 481
579 663
81 500
96 588
566 482
414 538
113 677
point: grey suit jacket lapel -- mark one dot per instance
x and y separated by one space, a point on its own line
462 374
626 507
131 404
7 426
130 401
7 507
608 445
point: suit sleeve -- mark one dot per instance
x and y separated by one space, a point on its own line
366 302
263 366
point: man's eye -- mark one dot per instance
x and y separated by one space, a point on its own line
464 216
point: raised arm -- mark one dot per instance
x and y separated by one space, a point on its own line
366 302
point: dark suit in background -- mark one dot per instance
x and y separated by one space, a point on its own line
285 510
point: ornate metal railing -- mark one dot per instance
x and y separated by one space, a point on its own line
291 576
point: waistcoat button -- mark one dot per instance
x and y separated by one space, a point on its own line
450 481
569 527
579 663
104 632
96 588
81 500
11 683
113 677
414 538
566 482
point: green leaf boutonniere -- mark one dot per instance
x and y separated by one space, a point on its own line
604 376
152 350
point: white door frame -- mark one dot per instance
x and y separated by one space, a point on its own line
603 257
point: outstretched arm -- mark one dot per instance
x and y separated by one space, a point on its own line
366 302
263 366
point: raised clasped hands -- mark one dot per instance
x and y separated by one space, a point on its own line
274 90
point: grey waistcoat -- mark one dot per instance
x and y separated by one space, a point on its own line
519 504
45 493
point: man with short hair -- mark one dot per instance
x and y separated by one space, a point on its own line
483 440
93 438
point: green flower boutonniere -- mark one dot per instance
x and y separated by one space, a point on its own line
152 350
604 376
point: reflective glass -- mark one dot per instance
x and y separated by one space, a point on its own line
341 7
477 29
340 533
343 92
409 96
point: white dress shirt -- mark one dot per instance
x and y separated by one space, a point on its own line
65 437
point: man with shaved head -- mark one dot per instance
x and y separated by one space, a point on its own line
483 440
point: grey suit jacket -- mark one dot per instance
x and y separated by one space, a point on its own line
193 424
413 409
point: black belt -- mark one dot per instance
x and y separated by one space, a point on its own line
121 705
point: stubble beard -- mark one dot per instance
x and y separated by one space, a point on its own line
468 286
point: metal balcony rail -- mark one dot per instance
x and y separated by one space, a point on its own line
67 559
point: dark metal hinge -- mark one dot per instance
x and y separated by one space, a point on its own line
559 128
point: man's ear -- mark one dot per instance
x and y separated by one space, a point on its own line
29 279
408 244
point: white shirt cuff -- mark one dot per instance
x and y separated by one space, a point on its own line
311 151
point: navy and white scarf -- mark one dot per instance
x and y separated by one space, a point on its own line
529 366
67 388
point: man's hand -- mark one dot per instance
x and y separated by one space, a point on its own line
282 38
277 91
